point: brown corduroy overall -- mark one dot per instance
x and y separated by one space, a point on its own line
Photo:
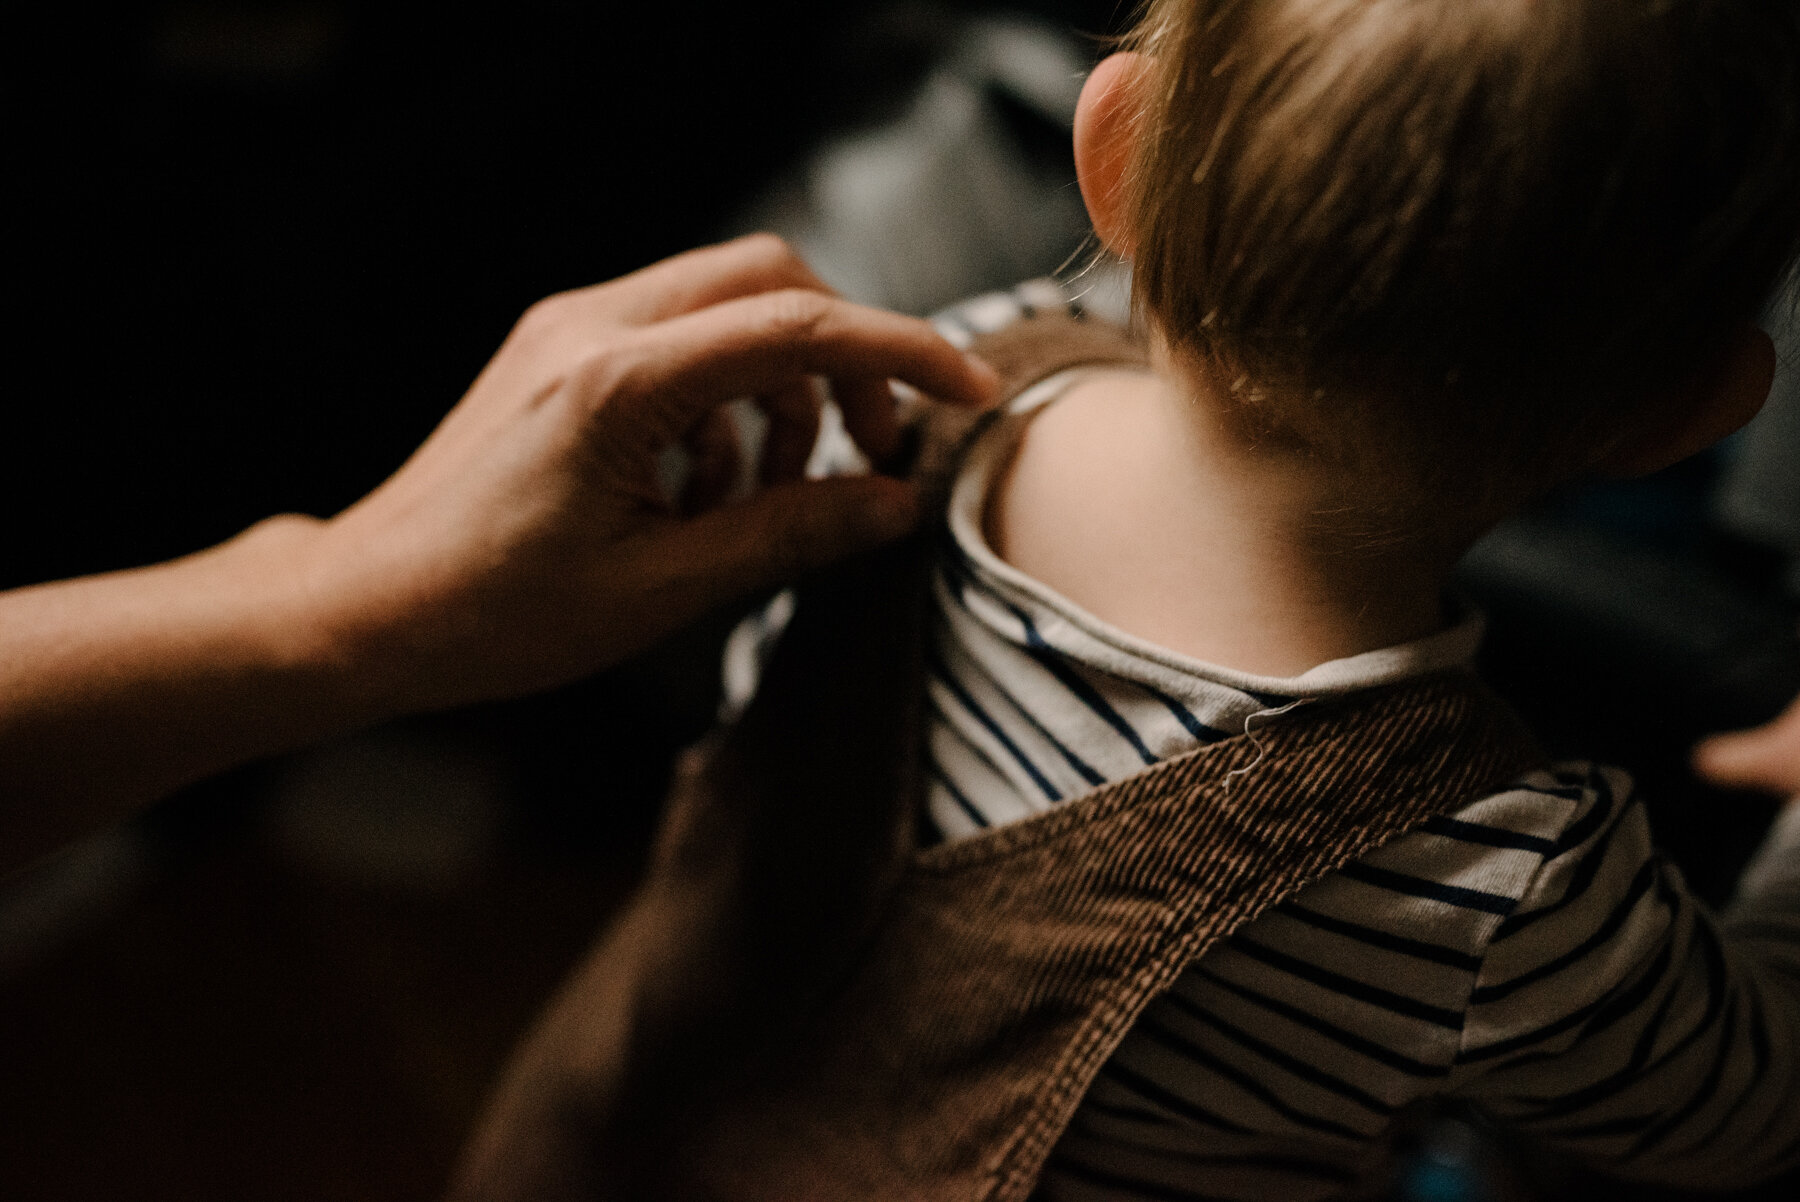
803 1004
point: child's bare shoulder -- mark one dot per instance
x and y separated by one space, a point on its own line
1073 477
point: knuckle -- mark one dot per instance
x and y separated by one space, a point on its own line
767 249
620 386
542 317
283 526
795 314
601 376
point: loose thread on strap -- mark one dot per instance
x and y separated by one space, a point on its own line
1225 785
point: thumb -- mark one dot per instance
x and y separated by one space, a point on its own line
787 530
1766 758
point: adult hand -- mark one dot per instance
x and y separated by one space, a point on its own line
1766 758
525 544
528 542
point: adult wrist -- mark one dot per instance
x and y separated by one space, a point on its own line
296 627
371 621
122 687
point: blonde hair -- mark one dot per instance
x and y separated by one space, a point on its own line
1514 219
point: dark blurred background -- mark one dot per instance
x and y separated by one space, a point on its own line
258 249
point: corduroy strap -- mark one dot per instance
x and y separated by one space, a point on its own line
1007 967
800 1005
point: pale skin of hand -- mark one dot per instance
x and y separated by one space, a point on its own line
525 544
1766 758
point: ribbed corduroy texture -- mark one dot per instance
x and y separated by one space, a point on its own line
1007 967
817 1010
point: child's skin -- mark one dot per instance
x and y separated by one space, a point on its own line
1766 759
1138 498
1128 499
1131 497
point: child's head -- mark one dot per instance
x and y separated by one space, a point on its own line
1496 237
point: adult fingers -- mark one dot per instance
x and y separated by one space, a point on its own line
793 414
870 417
787 530
1765 759
715 461
694 280
654 387
562 330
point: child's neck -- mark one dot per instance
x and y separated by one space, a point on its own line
1127 498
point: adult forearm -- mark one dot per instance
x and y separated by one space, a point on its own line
527 543
117 689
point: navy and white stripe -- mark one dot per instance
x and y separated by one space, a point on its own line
1031 701
1530 953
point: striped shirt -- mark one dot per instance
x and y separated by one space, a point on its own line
1530 953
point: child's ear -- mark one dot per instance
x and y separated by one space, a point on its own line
1714 404
1106 119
